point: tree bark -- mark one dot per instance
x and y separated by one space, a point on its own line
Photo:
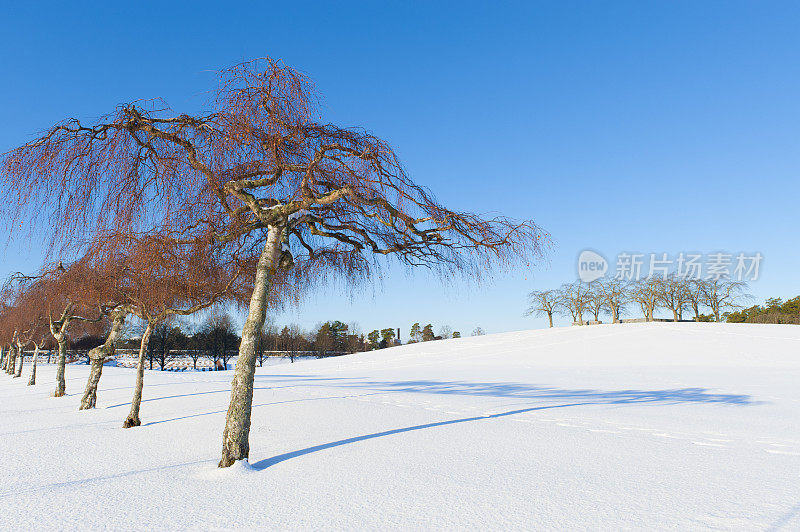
32 380
235 438
12 361
18 372
550 317
61 365
98 356
674 315
133 418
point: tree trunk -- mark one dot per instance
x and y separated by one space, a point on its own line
32 380
674 315
98 356
235 438
550 317
133 418
18 373
2 357
580 318
61 365
11 366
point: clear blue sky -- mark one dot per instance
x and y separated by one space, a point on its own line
618 126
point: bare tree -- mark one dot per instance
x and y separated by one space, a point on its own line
478 331
615 295
694 295
158 278
543 302
646 293
38 341
596 302
575 298
673 293
722 293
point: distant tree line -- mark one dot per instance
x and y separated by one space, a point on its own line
587 302
774 310
216 340
383 338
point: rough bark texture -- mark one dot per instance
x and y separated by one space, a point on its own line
22 361
32 380
61 364
133 418
12 361
98 356
235 438
550 317
89 399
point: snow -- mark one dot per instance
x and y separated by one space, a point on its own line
636 426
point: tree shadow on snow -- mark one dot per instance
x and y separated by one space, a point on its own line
522 391
268 462
527 391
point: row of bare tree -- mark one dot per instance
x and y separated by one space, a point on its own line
612 296
253 202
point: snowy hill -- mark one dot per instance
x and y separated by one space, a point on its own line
669 426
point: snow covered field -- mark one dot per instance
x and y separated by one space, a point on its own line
639 426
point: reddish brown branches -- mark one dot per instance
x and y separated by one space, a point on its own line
260 159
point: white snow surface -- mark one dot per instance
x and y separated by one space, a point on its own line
638 426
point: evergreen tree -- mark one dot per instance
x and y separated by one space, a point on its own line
374 339
387 338
416 333
427 333
456 334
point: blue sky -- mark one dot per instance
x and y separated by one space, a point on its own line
616 126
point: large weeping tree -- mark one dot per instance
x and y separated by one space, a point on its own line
157 277
63 297
262 169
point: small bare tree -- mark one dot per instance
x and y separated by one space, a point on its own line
575 297
597 301
673 293
694 295
615 295
646 293
719 294
544 302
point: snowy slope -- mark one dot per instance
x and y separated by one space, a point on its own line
638 426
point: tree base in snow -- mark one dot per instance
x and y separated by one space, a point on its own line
131 422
